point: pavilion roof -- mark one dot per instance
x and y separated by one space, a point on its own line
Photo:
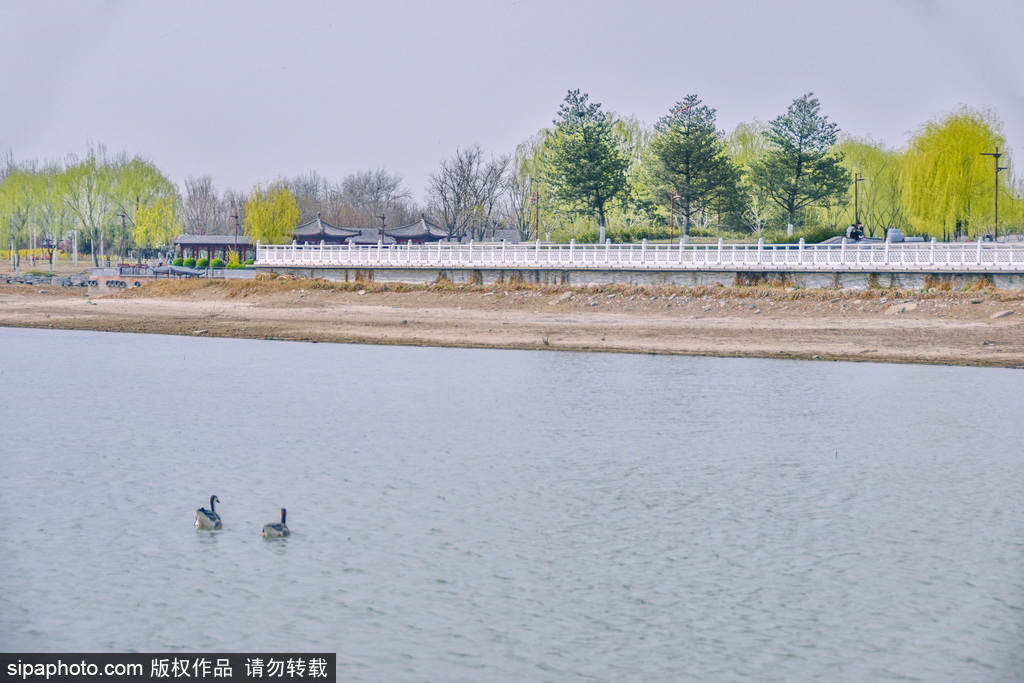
421 228
318 229
370 236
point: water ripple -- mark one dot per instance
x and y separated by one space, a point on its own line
479 515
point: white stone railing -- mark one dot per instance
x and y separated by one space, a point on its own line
847 256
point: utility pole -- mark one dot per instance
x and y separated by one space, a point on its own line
124 229
672 215
536 207
856 199
995 157
235 216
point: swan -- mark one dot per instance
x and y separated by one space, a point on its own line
208 519
277 530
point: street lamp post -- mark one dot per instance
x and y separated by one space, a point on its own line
995 157
536 207
124 229
672 215
235 216
856 199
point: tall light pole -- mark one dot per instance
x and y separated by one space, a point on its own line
536 206
235 216
995 157
124 229
856 199
672 215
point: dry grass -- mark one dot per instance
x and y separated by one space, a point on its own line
264 285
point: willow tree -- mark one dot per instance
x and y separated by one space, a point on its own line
746 146
55 221
271 215
138 183
147 203
947 184
532 202
86 186
588 163
875 198
157 223
19 202
689 161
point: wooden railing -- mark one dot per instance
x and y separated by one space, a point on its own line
846 256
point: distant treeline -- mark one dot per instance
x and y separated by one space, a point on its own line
592 175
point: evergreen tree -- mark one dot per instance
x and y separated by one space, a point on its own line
689 161
799 170
587 170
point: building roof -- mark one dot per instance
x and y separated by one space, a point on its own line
206 240
370 236
318 229
421 228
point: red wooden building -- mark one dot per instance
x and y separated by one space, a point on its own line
214 246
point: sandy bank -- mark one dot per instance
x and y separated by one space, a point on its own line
955 328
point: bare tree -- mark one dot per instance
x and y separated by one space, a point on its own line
523 202
312 192
468 192
376 193
204 212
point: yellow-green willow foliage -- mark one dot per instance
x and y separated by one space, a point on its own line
947 185
877 197
746 145
19 199
1011 204
539 205
157 222
271 215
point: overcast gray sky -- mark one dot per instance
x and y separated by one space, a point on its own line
249 91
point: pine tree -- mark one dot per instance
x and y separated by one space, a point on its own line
689 160
587 169
799 170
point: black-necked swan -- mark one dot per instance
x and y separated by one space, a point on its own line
208 519
277 530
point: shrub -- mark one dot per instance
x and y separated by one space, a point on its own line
203 263
249 262
217 263
587 236
178 261
189 263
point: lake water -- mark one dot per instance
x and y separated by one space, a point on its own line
480 515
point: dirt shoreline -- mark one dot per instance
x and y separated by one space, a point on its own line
984 328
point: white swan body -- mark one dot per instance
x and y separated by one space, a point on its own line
208 519
277 530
